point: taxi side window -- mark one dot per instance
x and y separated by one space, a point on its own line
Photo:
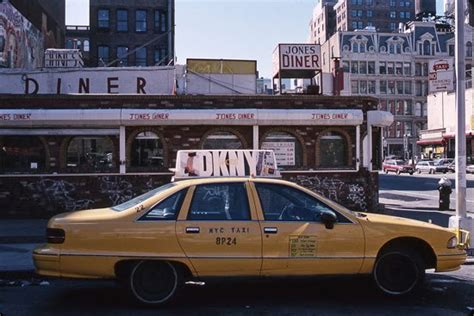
167 209
284 203
220 201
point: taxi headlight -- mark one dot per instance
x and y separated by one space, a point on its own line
453 242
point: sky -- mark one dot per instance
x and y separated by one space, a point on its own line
233 29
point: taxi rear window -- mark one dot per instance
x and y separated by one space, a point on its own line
139 199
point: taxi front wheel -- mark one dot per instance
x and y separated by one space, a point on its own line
399 272
154 282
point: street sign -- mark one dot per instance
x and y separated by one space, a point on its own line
441 75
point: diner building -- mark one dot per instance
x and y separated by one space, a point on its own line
68 152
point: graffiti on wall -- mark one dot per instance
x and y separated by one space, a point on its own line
116 188
21 44
335 189
57 195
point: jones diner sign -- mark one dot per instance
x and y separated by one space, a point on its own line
296 57
146 117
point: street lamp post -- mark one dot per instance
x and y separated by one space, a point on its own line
460 220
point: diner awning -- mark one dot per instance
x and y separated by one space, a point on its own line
20 118
432 141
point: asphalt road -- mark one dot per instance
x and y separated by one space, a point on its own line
443 294
419 191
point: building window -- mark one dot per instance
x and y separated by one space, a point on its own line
354 13
425 69
407 3
426 48
383 87
122 20
382 68
160 21
360 25
147 151
354 67
407 15
345 66
371 67
399 48
418 91
399 68
391 48
333 150
354 25
288 150
363 67
408 107
390 68
161 56
363 87
417 69
22 154
140 21
402 3
391 87
369 2
451 50
90 153
354 87
140 56
399 87
222 140
393 26
122 56
369 13
407 69
469 49
103 55
103 18
86 46
371 87
393 3
407 87
402 14
393 14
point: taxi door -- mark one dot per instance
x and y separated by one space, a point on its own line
295 242
219 231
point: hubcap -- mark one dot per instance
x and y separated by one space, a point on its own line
154 282
396 274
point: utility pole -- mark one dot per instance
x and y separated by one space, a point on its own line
460 220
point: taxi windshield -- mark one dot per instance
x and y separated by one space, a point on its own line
139 199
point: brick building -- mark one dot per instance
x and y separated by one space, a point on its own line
62 153
131 33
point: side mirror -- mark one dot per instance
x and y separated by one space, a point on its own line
328 218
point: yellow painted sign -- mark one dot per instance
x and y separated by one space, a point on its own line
222 66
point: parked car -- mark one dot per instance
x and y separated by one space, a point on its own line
430 167
444 161
452 167
241 227
470 169
397 166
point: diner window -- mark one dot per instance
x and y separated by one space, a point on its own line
103 18
90 153
140 56
24 154
140 21
122 20
287 148
222 140
122 57
147 151
160 21
333 150
103 55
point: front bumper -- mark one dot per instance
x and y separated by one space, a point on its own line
450 262
47 261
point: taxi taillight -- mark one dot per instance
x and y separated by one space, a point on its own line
55 235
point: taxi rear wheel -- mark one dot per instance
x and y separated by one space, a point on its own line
399 272
154 282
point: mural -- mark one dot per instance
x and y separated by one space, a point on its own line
21 44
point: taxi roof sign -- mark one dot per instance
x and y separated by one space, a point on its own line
225 163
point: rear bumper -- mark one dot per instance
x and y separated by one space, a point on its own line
450 262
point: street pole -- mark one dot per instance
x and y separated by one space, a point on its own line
460 220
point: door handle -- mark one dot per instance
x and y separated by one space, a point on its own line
270 230
192 230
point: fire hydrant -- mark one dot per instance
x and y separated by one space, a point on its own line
444 188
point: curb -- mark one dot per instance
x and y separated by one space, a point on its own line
17 274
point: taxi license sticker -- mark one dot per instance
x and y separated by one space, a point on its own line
302 246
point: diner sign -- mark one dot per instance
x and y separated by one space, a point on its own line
147 117
441 75
225 163
301 57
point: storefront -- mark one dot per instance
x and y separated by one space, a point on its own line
62 153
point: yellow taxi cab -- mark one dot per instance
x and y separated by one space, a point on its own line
241 227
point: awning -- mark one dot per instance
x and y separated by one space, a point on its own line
433 141
104 118
453 135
